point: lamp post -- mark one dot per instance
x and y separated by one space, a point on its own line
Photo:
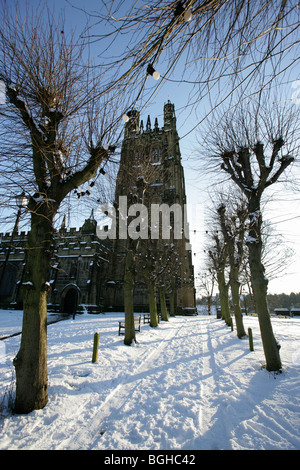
22 201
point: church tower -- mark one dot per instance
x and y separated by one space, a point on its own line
151 173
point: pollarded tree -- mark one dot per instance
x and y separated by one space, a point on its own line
218 261
253 146
134 180
168 263
49 148
206 283
232 220
148 262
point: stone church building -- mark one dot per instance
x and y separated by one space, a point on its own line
87 272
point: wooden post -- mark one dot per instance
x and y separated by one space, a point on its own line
250 339
96 347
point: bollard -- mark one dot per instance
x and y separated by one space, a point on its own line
250 339
96 347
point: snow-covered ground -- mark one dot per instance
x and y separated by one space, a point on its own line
189 384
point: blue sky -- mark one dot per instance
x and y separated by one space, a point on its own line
197 185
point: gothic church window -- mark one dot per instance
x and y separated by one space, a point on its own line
156 155
139 155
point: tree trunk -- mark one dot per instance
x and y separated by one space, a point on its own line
235 292
260 286
223 292
129 277
163 305
209 305
31 360
152 304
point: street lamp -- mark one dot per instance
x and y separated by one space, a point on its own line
21 200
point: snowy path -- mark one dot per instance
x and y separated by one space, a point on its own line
189 384
145 398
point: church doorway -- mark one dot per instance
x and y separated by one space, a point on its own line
70 300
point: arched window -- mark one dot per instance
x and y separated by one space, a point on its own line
139 155
156 154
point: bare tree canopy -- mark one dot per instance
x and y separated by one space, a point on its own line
56 127
57 119
218 47
266 131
